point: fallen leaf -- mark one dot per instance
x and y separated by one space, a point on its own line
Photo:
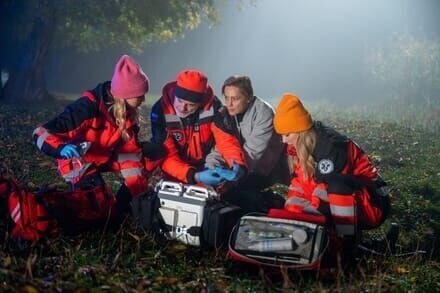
402 270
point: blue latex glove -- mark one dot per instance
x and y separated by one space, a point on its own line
233 174
209 177
69 151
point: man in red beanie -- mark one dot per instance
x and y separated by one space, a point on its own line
189 121
99 131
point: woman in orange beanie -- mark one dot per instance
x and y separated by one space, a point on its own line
332 175
99 131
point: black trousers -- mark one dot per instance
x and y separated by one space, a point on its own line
252 195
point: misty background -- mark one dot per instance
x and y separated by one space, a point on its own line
318 49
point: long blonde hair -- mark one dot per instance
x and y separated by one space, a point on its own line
304 150
119 111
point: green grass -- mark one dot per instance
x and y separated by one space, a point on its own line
127 259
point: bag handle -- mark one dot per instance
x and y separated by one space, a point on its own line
174 186
196 192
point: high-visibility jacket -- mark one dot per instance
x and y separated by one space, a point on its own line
88 119
345 187
188 140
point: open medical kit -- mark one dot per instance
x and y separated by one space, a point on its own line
271 241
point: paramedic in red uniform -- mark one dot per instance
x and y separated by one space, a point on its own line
332 175
189 120
106 118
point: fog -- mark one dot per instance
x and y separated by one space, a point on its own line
316 48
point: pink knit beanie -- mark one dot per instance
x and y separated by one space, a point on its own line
128 81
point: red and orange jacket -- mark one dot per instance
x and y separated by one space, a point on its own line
87 119
345 187
188 140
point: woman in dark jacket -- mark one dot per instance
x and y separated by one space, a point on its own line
332 175
99 132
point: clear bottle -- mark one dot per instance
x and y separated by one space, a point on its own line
274 244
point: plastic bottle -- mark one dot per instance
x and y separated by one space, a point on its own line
276 244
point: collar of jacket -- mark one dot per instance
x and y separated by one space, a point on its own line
330 145
101 95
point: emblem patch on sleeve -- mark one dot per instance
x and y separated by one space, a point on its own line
326 166
178 136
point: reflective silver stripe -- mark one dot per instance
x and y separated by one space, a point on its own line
297 201
171 118
321 193
132 172
344 229
342 211
207 113
129 157
298 189
36 130
312 210
202 115
42 137
16 213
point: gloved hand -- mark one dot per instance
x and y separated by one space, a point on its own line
208 177
231 175
69 151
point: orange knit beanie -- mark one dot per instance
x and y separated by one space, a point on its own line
291 116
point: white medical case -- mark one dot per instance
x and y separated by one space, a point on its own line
182 207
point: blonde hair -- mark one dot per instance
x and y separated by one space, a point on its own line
304 149
119 111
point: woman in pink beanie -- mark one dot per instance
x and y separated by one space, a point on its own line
99 131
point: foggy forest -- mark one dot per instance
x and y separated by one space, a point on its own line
370 69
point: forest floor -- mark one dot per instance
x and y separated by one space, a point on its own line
127 259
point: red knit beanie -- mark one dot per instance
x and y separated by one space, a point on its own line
191 85
128 81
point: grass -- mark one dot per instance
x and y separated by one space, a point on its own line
127 259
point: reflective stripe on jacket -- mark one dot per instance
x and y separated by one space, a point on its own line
88 119
188 140
336 158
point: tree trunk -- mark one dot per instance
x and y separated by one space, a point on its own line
26 79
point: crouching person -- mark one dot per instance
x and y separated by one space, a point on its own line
332 175
99 132
252 120
188 120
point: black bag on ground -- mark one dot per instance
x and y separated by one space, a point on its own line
145 209
219 218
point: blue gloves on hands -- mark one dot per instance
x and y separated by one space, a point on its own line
69 151
219 175
231 175
209 177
